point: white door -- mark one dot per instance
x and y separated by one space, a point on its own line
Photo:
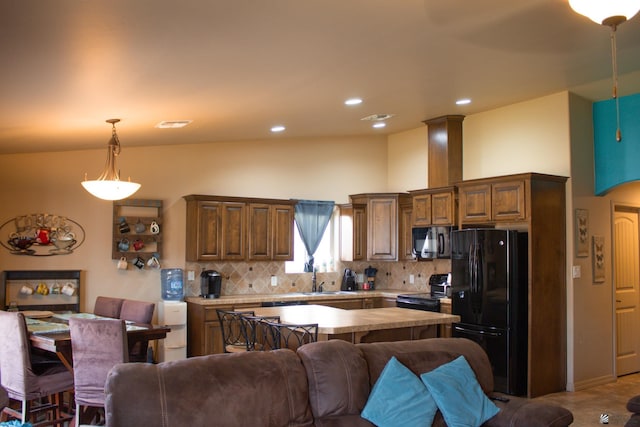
627 278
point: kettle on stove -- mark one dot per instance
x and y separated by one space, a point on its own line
210 284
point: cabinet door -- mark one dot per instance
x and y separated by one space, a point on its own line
475 203
508 201
383 229
422 210
442 208
282 232
406 237
359 233
203 231
233 230
259 232
353 229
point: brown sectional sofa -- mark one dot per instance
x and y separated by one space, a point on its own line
324 384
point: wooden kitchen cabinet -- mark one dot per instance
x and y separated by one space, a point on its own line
203 329
221 228
345 304
405 230
382 213
435 206
353 232
482 202
270 232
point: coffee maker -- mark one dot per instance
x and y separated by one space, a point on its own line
210 284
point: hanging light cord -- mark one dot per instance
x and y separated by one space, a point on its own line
614 66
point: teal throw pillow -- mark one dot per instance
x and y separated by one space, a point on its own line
458 394
399 399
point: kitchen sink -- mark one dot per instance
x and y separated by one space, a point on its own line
329 293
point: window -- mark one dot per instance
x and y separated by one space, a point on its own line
324 259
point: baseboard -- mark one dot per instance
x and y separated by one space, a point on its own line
592 382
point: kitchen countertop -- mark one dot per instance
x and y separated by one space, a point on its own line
303 296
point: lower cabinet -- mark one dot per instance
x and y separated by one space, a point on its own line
445 330
345 304
203 329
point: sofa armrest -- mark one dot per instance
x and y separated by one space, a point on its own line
518 411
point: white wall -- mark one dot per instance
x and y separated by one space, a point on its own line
408 154
326 169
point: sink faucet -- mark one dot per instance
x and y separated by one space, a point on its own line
313 281
320 287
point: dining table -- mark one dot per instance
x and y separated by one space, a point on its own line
364 325
50 332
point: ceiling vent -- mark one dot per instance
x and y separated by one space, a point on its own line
377 117
172 124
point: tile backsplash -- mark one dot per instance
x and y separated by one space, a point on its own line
239 278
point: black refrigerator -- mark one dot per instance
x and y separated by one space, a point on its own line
489 293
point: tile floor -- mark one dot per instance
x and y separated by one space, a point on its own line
587 405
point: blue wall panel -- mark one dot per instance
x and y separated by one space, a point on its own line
616 162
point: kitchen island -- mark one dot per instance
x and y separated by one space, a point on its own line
203 327
366 325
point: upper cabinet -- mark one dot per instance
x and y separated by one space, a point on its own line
380 235
434 206
235 229
499 199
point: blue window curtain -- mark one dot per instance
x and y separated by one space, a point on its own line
312 218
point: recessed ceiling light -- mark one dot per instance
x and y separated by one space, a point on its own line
379 125
278 128
377 117
353 101
172 124
463 101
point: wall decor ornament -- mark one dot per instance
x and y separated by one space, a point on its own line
41 234
598 259
582 233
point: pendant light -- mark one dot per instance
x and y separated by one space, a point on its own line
108 185
611 13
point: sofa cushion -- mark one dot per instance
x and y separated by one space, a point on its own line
254 389
399 398
459 397
338 378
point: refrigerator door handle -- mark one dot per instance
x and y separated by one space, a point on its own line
477 332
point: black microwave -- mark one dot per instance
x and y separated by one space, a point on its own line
431 242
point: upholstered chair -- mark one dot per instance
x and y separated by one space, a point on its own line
108 307
138 312
37 392
98 345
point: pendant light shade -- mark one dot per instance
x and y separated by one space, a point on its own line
602 12
108 185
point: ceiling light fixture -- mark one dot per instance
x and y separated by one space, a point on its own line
353 101
278 128
611 13
108 185
378 125
463 101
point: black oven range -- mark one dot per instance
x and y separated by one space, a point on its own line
439 288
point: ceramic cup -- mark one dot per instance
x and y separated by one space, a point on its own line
124 227
123 245
122 263
153 262
138 244
26 290
139 263
154 228
68 289
139 227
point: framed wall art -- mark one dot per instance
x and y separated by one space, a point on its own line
598 259
581 233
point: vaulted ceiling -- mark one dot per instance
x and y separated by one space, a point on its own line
237 67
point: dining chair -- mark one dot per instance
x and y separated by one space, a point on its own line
138 312
233 337
40 393
256 332
97 346
108 307
289 335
